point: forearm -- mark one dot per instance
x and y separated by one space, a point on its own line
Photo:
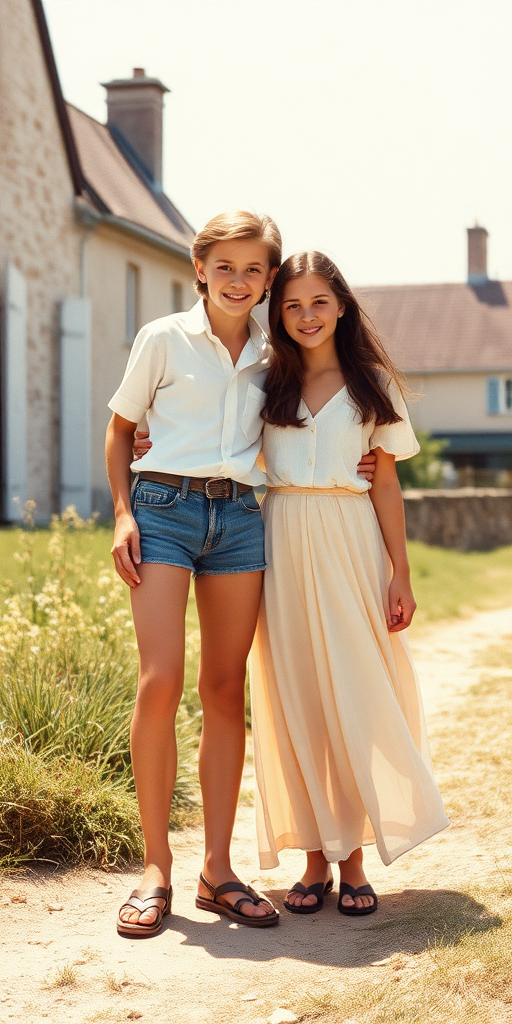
118 453
388 503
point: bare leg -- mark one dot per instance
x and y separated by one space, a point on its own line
351 871
158 605
228 609
318 869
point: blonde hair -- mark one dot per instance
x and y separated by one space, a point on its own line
237 224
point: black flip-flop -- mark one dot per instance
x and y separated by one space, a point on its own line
363 890
219 905
318 889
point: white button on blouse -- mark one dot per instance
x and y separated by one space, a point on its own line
327 454
203 413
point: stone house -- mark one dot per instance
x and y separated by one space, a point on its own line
454 343
90 249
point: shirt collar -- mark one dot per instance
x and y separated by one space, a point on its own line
197 322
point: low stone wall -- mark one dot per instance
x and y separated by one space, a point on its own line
467 518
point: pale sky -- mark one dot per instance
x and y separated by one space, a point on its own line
374 130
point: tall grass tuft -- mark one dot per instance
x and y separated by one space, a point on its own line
64 809
68 664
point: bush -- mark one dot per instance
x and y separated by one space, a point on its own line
426 468
68 663
64 809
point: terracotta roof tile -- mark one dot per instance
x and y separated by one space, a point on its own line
443 327
117 185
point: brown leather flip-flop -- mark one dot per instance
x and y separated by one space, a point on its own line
218 905
142 901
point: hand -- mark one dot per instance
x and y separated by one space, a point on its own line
401 604
141 444
366 467
126 549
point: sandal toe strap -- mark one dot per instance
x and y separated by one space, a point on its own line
233 887
244 899
151 894
363 890
142 905
300 888
147 901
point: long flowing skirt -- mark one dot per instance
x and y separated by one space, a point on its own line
341 751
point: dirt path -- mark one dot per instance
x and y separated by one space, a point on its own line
202 969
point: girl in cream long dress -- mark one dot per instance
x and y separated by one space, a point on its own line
341 751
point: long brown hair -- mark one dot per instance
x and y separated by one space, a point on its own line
361 354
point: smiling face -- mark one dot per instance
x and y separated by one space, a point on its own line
310 311
237 272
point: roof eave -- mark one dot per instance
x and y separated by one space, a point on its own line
91 218
60 106
409 371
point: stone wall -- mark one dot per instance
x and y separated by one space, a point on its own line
467 518
37 231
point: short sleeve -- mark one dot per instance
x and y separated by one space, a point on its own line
143 374
397 439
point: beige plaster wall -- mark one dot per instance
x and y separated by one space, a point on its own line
108 253
37 230
453 402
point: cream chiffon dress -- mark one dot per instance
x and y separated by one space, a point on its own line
341 751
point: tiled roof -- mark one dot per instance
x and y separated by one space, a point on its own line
443 327
114 186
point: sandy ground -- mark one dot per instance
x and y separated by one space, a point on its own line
201 968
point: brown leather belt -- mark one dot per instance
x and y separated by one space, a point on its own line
215 487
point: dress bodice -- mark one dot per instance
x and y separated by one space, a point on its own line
325 452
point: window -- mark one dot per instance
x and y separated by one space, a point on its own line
176 297
132 302
499 396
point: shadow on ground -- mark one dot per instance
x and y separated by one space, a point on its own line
406 922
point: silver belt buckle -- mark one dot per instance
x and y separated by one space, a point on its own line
217 488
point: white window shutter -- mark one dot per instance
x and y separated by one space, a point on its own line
14 396
75 406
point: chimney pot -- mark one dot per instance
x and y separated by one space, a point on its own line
477 255
135 110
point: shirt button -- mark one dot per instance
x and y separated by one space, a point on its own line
310 462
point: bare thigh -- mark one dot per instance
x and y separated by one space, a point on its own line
159 605
228 608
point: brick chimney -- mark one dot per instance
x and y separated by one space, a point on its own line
477 255
135 111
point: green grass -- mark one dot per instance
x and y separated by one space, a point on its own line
68 663
448 583
64 810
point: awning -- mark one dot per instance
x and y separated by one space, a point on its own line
476 444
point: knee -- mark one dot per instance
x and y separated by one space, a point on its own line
159 693
224 693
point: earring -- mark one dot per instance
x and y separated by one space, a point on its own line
267 294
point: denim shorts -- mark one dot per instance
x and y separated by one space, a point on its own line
209 536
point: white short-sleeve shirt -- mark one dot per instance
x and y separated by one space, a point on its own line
326 451
203 413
